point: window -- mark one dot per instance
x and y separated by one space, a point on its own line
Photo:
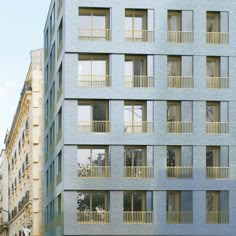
52 174
139 25
93 71
93 207
46 113
93 116
52 21
217 207
52 60
179 117
93 162
59 83
217 118
138 207
180 26
46 147
59 205
180 72
52 137
46 43
59 163
217 28
52 99
217 72
179 205
47 182
139 71
46 79
52 211
94 24
138 162
59 38
217 162
179 161
138 117
59 125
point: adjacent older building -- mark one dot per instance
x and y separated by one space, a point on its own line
140 117
25 156
3 194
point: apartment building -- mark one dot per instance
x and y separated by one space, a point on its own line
24 153
139 107
3 194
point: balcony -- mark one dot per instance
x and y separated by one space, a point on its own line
93 217
139 36
180 82
94 126
217 172
139 81
217 37
179 127
180 37
180 172
138 127
94 81
138 217
179 217
138 172
217 217
95 34
94 171
218 82
217 127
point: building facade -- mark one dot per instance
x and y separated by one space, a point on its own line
139 117
3 194
24 152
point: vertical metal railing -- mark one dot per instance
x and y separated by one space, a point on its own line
180 37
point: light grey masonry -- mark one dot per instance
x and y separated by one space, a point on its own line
116 139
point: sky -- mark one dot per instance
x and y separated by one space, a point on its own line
21 23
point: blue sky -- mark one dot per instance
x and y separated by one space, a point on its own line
21 24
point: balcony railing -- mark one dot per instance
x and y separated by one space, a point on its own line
139 81
138 217
217 37
138 172
180 82
94 81
94 34
217 172
180 171
93 217
94 171
217 127
179 217
179 127
138 127
94 126
139 36
180 36
218 82
217 217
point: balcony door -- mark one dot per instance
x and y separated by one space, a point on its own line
212 112
174 66
212 22
213 66
174 21
173 112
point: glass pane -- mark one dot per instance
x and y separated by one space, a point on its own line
85 22
187 66
211 113
129 68
85 67
172 113
149 201
224 114
187 21
224 156
138 66
186 156
138 23
99 22
150 152
173 23
98 201
138 157
224 22
224 200
173 156
98 157
186 201
83 201
128 154
127 201
99 111
128 23
224 67
99 67
128 113
150 65
212 201
84 113
171 201
84 157
187 111
212 156
137 201
173 67
138 113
